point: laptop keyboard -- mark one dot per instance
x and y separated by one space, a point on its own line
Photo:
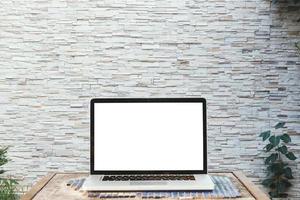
148 178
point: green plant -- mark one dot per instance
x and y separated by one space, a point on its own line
7 186
278 171
297 44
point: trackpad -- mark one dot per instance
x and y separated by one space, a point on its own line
148 183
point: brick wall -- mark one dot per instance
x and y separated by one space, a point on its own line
56 55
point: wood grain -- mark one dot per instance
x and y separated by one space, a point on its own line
38 187
53 187
253 189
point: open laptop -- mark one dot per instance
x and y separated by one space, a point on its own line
148 144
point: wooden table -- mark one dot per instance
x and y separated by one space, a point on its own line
53 187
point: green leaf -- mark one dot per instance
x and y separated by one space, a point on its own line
288 173
276 168
291 156
273 194
286 182
283 149
3 157
267 182
297 44
272 158
281 187
274 140
275 156
8 188
283 195
265 135
279 125
273 168
270 168
268 147
286 138
273 184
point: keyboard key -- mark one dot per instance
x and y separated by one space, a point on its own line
148 177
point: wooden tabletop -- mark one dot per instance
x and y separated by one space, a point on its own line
53 187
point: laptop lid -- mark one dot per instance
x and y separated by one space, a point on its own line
148 136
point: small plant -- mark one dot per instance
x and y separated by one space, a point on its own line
278 171
297 44
7 186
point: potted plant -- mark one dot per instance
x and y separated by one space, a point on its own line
7 185
278 171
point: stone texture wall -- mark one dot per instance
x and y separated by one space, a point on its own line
56 55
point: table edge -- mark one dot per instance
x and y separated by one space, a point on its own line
36 188
251 187
247 183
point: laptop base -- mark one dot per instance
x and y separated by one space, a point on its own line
202 182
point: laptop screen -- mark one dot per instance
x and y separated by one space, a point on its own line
148 136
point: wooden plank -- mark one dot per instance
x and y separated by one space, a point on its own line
57 189
38 187
252 188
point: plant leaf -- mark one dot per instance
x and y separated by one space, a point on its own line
8 188
287 182
3 157
281 187
267 182
274 1
268 147
279 125
273 194
283 195
273 168
283 149
288 173
271 158
268 159
270 168
277 168
265 135
286 138
297 44
274 140
291 156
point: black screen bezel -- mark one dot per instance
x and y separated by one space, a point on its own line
147 100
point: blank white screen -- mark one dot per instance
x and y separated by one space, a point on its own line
148 136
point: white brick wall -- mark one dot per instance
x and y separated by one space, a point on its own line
56 55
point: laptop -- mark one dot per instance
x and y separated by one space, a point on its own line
148 144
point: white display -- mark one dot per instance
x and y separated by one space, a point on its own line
148 136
